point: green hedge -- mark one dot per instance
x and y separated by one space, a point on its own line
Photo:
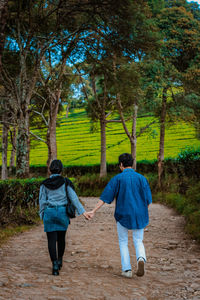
187 163
187 205
19 201
91 184
173 166
74 171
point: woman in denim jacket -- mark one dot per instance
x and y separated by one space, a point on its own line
52 201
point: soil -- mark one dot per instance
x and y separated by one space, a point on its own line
92 266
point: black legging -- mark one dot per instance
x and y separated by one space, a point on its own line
56 237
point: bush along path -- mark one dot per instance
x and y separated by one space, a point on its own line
92 266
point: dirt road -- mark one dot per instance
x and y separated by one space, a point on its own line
92 267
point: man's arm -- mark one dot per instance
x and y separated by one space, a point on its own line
99 204
107 195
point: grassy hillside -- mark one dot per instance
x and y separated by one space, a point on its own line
77 145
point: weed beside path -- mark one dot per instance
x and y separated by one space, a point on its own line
92 267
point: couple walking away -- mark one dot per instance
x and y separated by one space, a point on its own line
133 196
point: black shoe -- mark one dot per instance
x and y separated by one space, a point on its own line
60 262
55 270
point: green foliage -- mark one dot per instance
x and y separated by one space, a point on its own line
92 184
156 6
152 179
19 201
193 194
79 170
181 33
189 154
187 204
188 161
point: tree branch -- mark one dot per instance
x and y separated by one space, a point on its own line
122 118
38 137
41 114
142 130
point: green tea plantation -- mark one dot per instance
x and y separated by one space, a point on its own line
78 145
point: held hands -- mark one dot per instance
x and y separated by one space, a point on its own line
88 215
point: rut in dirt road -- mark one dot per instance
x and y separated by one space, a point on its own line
92 266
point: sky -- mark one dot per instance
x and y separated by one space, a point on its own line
198 1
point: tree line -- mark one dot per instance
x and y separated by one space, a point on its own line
130 59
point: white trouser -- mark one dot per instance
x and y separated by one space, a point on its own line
123 245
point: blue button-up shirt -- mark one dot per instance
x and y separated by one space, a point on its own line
133 195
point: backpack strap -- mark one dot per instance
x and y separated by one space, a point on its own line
68 182
71 209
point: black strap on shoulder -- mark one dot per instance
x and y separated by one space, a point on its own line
68 182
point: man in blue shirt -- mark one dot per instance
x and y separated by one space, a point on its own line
133 196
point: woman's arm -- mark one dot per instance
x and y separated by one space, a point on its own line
42 201
74 199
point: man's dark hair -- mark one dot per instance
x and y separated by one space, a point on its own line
56 166
126 159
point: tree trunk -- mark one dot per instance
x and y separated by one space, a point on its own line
134 137
13 151
103 166
3 18
4 171
162 138
129 135
27 168
22 162
51 132
67 110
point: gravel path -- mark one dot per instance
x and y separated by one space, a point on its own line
92 267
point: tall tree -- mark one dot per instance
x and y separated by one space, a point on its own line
26 41
8 121
5 128
3 20
55 81
99 105
129 100
127 42
36 26
180 34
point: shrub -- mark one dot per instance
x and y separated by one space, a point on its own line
76 170
91 184
193 194
19 201
188 205
189 154
188 161
193 224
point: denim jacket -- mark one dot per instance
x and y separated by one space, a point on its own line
58 197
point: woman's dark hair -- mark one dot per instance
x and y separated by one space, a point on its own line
126 159
56 166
